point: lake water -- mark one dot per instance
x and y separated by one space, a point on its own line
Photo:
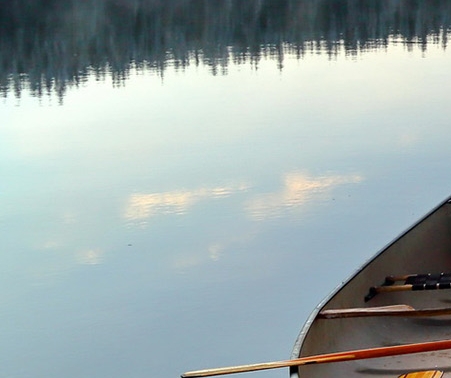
183 181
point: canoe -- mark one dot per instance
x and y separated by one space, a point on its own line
391 318
399 297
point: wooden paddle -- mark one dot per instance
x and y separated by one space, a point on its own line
374 290
329 357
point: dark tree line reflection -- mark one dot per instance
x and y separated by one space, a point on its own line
50 45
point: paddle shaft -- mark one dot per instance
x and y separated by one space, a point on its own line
330 357
386 289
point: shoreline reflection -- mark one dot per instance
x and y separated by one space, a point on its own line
48 50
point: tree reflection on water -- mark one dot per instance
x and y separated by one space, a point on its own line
48 46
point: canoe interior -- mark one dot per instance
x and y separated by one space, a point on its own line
424 248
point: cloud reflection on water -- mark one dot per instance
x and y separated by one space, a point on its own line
298 188
93 256
297 191
141 206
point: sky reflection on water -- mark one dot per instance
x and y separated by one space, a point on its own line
192 220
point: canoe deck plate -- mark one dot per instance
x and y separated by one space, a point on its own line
423 374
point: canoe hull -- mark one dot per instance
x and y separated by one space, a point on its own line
424 248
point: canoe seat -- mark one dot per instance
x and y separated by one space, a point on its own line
423 374
394 310
411 282
365 311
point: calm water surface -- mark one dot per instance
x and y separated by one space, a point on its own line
182 184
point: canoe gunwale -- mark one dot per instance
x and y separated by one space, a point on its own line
296 351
